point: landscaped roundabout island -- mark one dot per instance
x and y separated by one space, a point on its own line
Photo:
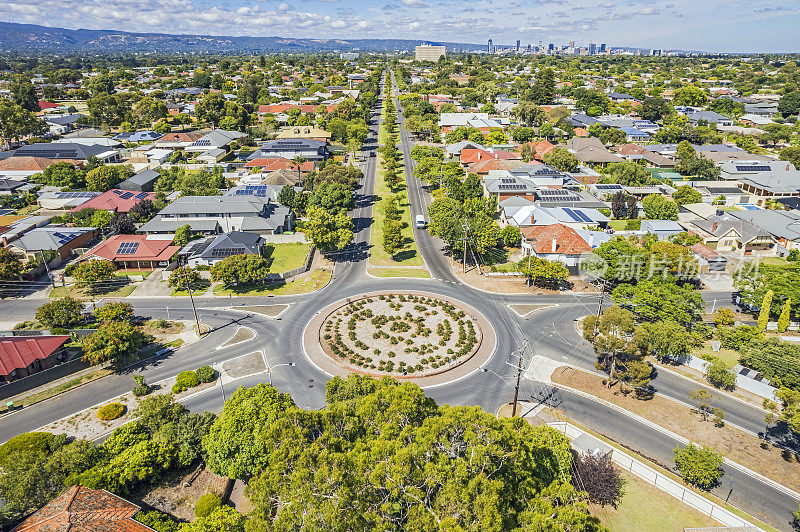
401 335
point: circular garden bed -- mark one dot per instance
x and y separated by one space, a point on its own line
399 335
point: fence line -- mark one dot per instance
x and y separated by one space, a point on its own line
659 480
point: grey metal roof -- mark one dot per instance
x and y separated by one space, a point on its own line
61 150
224 245
49 237
215 205
170 225
780 224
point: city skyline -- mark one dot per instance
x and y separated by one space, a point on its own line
758 26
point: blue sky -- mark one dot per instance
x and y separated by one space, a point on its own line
712 25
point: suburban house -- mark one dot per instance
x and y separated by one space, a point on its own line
555 242
177 141
575 218
138 136
591 151
634 152
218 214
663 229
61 124
279 163
504 185
728 233
22 356
63 240
80 508
115 200
763 180
216 139
64 200
308 149
144 181
710 117
211 249
70 151
134 252
784 226
480 121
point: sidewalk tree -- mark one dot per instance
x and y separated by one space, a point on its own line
182 276
790 412
783 320
546 273
763 314
10 265
114 311
724 317
238 269
61 313
328 231
617 347
111 341
721 374
91 272
699 466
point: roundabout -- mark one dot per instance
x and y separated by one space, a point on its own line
409 336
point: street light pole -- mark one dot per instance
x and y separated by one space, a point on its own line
194 309
516 387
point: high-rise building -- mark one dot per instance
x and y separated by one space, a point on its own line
592 48
603 48
490 48
551 48
426 52
517 45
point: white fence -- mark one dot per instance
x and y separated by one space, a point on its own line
760 388
659 480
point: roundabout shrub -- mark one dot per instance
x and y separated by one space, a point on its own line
185 380
110 411
206 374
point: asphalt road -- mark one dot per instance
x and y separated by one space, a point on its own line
550 333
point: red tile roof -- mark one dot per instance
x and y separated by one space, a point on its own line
280 163
148 249
704 251
285 107
113 200
506 155
483 167
47 105
474 155
542 148
17 352
581 132
568 241
82 509
180 137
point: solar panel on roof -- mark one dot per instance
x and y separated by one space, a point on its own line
572 214
126 195
753 168
141 195
127 248
582 215
117 192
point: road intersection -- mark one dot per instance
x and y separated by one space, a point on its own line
549 332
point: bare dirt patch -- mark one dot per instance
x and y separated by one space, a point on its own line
747 450
178 493
242 334
396 334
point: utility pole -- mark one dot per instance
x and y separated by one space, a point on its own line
47 268
464 263
519 374
600 301
191 298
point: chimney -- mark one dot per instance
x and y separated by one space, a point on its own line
591 240
714 227
555 244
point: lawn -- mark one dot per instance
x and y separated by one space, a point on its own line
408 255
199 288
619 225
316 280
400 272
286 257
499 259
730 356
127 273
644 508
120 288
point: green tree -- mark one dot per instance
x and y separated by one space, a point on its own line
666 340
562 160
544 88
686 194
724 317
183 235
62 174
111 341
783 320
238 269
182 276
102 178
699 466
789 104
660 300
548 273
211 108
658 207
654 109
63 313
776 360
790 411
689 95
628 173
617 348
766 308
512 236
24 94
221 519
530 114
240 442
114 311
332 197
328 231
286 196
721 374
91 272
17 122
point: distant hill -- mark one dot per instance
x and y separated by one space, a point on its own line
34 38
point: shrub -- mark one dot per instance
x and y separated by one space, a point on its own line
721 375
206 374
29 443
110 411
158 521
724 316
59 331
700 466
141 388
207 504
185 380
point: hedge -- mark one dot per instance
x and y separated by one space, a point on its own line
110 411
